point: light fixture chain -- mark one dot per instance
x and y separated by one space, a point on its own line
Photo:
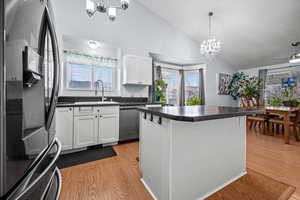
209 26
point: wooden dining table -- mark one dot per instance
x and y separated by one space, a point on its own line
286 113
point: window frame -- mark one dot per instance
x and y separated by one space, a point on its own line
185 80
93 74
114 77
178 89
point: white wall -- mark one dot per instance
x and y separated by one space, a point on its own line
138 31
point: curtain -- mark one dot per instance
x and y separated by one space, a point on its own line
157 76
158 73
181 88
262 75
201 87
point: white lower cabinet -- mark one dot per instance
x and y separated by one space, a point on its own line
80 127
108 129
64 127
85 130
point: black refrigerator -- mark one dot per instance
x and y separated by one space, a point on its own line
29 81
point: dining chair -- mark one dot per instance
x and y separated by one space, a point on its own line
257 121
276 124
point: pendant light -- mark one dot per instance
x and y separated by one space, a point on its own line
105 7
210 46
295 58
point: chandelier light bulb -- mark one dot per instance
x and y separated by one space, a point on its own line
124 4
295 58
90 8
101 7
112 13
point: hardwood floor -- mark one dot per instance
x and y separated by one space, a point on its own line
254 186
271 157
118 178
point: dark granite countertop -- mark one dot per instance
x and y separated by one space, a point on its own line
73 104
198 113
69 101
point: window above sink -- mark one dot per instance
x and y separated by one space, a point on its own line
83 76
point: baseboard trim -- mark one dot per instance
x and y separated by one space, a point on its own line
207 194
148 189
223 185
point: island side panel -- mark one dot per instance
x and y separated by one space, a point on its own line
155 155
206 156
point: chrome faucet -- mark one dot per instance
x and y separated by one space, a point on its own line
97 87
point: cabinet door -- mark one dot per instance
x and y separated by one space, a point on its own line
108 129
131 71
144 67
85 130
64 127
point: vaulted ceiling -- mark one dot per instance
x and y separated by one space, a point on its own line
253 32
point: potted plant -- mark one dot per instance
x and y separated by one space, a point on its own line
194 101
160 91
275 101
248 91
234 85
288 97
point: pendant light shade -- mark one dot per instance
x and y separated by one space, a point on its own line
295 58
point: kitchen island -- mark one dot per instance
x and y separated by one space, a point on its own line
191 152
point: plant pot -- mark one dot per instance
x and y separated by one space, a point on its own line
247 102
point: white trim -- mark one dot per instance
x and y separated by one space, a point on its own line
207 194
222 186
185 68
148 189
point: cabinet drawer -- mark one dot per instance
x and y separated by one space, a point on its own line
84 110
108 109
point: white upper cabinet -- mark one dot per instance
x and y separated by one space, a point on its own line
137 70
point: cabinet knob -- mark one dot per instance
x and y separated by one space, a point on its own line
96 116
70 109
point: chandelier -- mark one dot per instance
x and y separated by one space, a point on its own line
210 46
106 6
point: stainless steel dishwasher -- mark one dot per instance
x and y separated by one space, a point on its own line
129 123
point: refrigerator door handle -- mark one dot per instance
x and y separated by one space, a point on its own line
56 70
51 165
56 176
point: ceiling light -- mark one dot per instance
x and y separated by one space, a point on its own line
295 58
105 7
210 46
93 44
